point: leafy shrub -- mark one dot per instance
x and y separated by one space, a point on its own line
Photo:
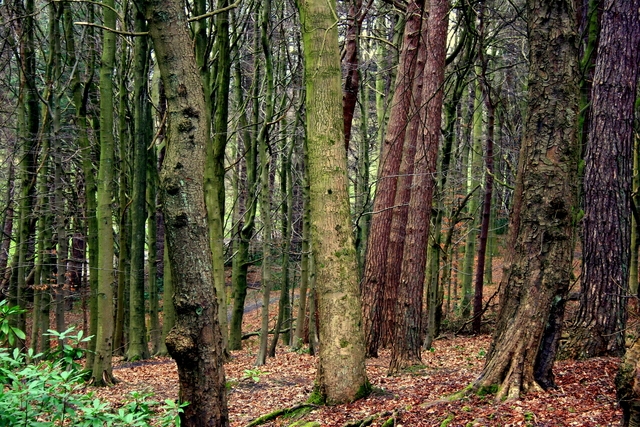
39 391
9 334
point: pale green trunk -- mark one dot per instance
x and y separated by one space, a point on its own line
215 171
341 370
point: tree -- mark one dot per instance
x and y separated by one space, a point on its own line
538 267
102 369
138 346
373 283
407 344
195 342
341 370
599 327
265 181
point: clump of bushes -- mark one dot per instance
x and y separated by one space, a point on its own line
47 390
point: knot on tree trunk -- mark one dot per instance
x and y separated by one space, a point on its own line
180 343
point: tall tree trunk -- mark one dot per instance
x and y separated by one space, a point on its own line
195 342
80 93
102 368
284 305
214 170
305 266
156 251
599 327
241 260
373 283
439 249
474 172
538 267
341 370
265 193
28 128
488 179
7 226
138 346
407 345
168 309
350 63
404 186
123 185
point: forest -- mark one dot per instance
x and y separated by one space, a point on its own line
354 212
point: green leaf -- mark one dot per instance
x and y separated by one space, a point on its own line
19 333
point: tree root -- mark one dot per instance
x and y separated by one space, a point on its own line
390 422
300 409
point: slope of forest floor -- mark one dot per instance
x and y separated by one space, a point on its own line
585 395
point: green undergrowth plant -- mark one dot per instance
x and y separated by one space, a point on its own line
49 390
9 335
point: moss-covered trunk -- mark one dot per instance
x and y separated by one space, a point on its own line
102 369
195 342
341 370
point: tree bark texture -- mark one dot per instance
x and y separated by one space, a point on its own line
341 370
195 342
351 72
407 344
538 267
102 368
138 346
627 386
373 283
598 329
400 209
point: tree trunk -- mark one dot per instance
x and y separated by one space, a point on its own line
351 71
80 91
265 181
599 328
341 370
485 219
245 234
156 250
102 369
373 283
627 385
538 267
195 342
214 169
407 344
138 346
28 125
305 267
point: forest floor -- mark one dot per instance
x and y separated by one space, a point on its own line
585 395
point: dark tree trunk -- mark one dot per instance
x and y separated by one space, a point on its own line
350 65
195 342
538 266
407 343
373 283
598 329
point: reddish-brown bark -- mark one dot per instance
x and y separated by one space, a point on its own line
373 283
407 343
